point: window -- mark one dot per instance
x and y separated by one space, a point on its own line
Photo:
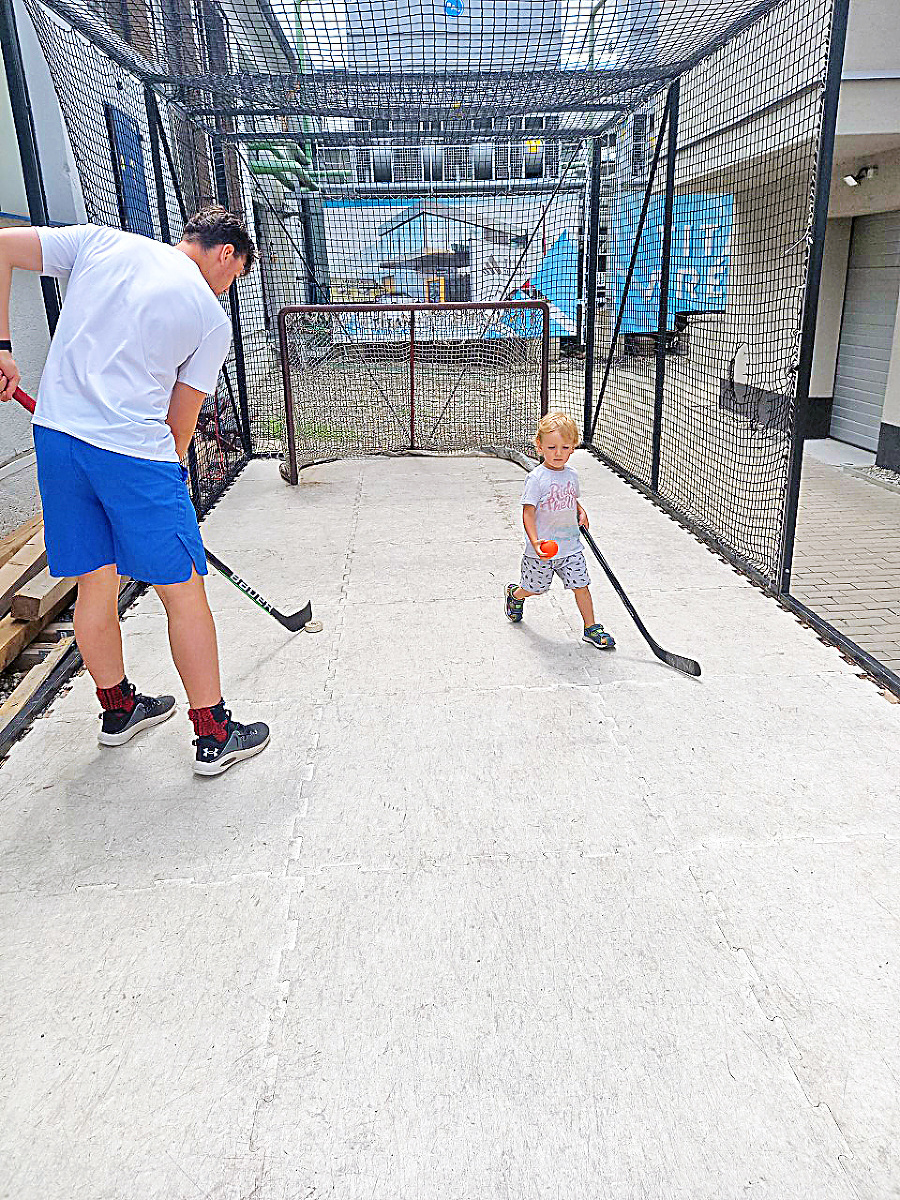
433 164
482 161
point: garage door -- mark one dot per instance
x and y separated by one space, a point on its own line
867 329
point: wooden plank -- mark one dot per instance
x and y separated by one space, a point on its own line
23 565
17 700
15 635
13 542
38 595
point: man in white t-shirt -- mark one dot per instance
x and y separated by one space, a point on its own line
139 345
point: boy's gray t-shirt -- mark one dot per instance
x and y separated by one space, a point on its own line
554 495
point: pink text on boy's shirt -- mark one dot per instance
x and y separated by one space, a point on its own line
559 497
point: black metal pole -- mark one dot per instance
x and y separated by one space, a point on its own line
629 274
590 291
664 276
240 366
153 125
813 279
309 249
27 138
412 379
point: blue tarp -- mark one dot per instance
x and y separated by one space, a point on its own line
701 240
556 281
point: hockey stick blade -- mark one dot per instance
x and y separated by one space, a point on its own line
687 666
293 622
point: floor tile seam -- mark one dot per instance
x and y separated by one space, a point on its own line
775 1022
273 1022
814 674
675 849
471 595
327 689
466 690
639 851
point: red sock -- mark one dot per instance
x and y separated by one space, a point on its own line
119 698
210 722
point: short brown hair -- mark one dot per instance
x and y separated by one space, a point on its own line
216 226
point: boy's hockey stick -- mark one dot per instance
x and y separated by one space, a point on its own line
686 665
293 622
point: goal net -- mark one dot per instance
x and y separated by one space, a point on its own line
376 379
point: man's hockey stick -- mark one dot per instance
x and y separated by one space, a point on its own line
293 622
687 665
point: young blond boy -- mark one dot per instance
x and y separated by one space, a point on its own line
551 512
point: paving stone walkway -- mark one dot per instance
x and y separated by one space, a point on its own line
847 557
495 916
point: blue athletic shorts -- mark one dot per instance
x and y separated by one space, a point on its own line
102 508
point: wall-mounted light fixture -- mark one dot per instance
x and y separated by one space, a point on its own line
862 174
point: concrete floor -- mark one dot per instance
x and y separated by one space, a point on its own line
496 914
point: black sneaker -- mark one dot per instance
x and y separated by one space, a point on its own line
243 741
120 726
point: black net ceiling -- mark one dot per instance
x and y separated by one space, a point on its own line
416 61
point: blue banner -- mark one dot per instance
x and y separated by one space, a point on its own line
701 246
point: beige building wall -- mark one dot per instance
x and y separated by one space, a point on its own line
868 135
12 186
831 303
891 413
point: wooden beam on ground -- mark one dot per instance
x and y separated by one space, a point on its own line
39 595
15 635
23 565
15 702
13 542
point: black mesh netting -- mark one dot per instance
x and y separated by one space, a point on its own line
451 152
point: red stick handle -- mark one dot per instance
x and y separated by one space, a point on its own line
24 399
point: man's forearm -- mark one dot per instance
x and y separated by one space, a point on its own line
183 414
5 289
183 438
18 248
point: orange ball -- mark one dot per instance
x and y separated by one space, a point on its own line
549 548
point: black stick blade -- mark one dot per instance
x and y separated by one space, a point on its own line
687 666
295 621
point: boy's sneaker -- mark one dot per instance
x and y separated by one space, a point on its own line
241 741
119 726
597 636
514 608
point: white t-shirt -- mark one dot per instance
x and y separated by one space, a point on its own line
138 316
554 495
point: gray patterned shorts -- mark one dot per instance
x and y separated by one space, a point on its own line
537 574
